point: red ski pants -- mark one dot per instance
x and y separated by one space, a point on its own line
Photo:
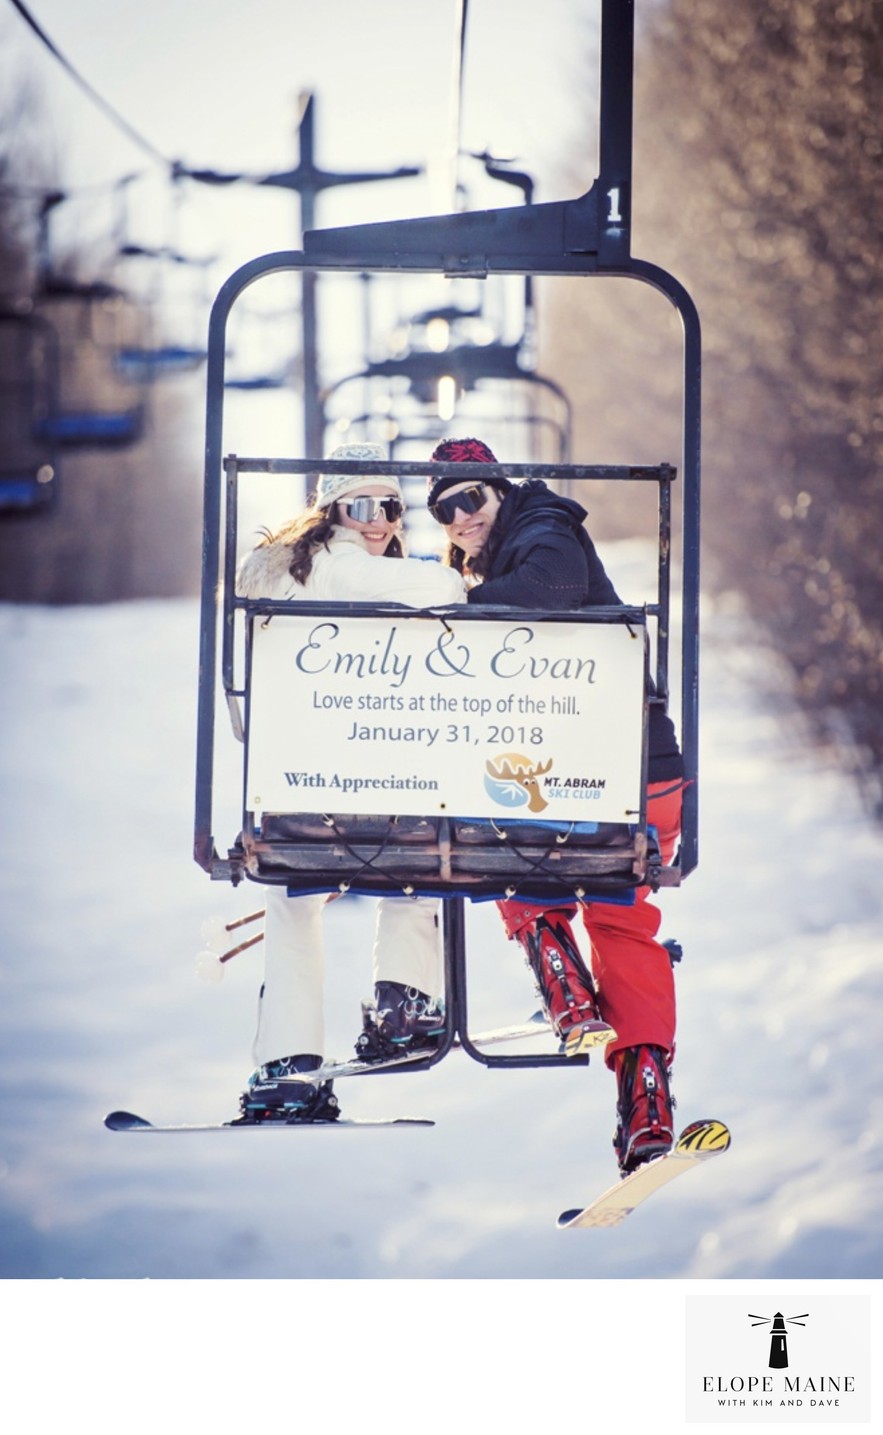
632 971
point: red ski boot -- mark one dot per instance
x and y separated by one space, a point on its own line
645 1126
566 987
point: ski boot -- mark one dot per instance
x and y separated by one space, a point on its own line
402 1019
275 1094
645 1126
565 986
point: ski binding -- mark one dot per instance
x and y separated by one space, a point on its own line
355 1066
536 1025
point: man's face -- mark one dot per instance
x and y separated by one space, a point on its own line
470 530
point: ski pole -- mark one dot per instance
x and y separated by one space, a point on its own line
210 963
243 946
216 932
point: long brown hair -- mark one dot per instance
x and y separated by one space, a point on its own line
309 532
481 564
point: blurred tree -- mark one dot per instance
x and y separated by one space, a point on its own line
759 138
18 156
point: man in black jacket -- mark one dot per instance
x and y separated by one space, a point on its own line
524 545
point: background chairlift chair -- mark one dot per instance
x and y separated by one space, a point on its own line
29 468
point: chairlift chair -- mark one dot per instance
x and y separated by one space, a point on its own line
414 381
148 362
387 837
66 425
29 469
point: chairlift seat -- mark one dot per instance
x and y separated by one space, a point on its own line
145 364
257 383
26 492
91 429
474 857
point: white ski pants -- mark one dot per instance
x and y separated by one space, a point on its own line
291 1019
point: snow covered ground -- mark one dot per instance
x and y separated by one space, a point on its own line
780 998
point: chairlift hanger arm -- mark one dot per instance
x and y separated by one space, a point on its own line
591 232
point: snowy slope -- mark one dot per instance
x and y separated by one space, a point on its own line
101 1007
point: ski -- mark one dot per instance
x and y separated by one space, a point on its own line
357 1066
537 1025
698 1142
354 1066
586 1037
128 1121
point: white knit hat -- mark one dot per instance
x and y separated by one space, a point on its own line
332 486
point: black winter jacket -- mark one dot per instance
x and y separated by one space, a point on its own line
546 559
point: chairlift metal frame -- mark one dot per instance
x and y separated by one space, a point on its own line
588 236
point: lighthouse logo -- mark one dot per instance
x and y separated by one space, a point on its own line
779 1335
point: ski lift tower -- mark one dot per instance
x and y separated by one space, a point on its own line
308 181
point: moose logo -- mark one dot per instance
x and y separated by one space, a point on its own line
512 781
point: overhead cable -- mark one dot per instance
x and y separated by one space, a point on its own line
303 177
84 85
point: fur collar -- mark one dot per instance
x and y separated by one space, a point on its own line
265 572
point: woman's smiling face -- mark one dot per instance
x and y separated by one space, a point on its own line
378 531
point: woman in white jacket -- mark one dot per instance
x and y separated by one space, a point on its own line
347 546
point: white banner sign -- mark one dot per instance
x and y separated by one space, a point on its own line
424 716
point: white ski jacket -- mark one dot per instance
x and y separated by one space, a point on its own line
346 572
407 946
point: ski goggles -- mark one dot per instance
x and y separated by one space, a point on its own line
365 509
467 500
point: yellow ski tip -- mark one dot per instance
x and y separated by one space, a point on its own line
702 1136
